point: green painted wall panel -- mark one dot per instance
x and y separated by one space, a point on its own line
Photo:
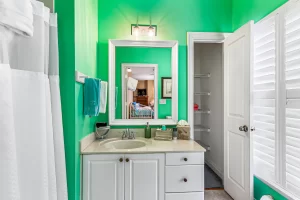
261 189
86 41
66 40
159 56
246 10
174 19
77 51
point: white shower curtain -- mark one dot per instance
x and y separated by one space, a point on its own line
32 157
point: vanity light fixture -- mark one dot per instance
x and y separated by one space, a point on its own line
135 30
129 70
151 31
143 30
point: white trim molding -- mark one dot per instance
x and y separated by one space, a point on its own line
124 93
112 70
197 37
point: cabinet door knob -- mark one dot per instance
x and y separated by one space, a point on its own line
185 159
185 180
121 159
127 159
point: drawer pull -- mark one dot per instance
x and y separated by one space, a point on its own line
127 159
185 180
185 159
121 160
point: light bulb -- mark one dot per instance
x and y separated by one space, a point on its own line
128 69
136 31
151 31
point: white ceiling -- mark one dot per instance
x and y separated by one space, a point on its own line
143 73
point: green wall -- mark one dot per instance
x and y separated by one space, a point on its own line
159 56
77 51
261 189
246 10
66 41
86 41
174 19
242 12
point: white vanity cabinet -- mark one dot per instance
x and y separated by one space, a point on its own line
123 177
185 176
144 177
154 176
103 177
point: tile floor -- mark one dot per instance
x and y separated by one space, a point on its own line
216 195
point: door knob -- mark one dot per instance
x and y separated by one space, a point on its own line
121 160
185 180
127 159
244 128
185 159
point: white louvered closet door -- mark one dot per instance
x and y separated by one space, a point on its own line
264 96
292 76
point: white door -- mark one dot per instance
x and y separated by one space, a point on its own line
144 177
238 53
103 177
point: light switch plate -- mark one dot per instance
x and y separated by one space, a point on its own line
162 101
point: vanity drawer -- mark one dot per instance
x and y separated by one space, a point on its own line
189 178
185 196
185 158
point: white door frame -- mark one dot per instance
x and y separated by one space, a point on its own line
124 90
197 37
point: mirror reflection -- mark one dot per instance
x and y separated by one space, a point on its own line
143 83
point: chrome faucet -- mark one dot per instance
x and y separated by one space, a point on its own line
127 134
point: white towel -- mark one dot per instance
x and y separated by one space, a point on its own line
132 83
103 96
17 16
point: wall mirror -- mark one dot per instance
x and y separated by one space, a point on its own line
143 82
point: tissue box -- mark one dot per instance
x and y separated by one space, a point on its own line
183 132
163 135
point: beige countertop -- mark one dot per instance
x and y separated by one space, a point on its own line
152 146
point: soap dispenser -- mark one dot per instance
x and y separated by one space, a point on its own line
147 131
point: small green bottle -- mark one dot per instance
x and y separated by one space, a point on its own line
147 131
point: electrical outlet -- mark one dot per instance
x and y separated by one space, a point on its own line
162 101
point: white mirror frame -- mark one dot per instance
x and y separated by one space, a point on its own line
112 70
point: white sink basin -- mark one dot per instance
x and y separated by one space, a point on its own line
125 144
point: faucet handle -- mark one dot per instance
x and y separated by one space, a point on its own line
131 135
124 134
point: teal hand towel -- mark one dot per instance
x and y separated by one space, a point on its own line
91 95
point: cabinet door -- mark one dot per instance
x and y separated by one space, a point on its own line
144 177
103 177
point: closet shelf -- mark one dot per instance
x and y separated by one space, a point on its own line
201 128
202 75
205 146
202 93
202 111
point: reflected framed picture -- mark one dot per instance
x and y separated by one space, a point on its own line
166 87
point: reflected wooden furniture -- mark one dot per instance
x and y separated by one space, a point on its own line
142 100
